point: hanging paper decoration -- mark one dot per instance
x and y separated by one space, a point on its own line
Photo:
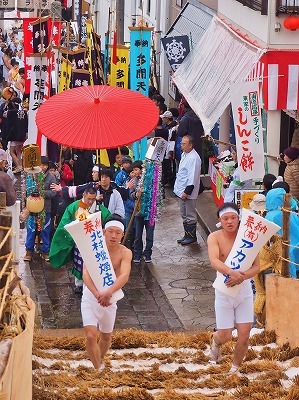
152 191
140 51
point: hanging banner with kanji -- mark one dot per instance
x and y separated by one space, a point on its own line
40 35
140 54
65 75
28 49
119 74
248 129
78 59
39 92
80 77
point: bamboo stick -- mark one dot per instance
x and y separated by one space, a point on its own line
286 235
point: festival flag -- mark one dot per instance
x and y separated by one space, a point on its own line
56 67
176 49
114 48
65 75
80 77
140 51
119 74
89 30
99 57
28 50
248 127
78 59
40 35
39 92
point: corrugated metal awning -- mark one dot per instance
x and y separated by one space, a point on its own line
193 21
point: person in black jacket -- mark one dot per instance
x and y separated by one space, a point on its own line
191 125
82 164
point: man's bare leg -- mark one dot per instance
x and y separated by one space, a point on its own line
242 343
92 346
104 344
220 337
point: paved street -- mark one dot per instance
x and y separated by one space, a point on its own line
173 293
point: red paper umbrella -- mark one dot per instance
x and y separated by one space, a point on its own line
97 117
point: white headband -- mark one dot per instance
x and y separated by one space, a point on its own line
116 224
96 168
227 210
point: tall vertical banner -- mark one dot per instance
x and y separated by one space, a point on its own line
65 75
28 50
248 129
119 73
140 54
89 49
39 92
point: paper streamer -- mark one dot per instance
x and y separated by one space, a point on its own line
253 234
89 238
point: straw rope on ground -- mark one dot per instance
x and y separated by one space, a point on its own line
163 366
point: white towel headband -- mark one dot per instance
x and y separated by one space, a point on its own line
227 210
116 224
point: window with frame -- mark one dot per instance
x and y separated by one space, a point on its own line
148 8
257 5
287 6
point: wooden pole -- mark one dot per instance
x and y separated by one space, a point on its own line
286 235
137 202
2 200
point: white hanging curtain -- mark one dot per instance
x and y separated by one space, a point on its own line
219 58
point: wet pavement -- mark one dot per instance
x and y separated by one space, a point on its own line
173 293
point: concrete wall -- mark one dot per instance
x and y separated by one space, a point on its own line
260 27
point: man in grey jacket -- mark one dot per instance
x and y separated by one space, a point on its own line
186 188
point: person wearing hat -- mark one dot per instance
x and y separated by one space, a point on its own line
231 312
6 183
122 176
258 203
191 125
98 314
291 173
44 217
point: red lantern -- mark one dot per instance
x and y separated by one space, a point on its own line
291 23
